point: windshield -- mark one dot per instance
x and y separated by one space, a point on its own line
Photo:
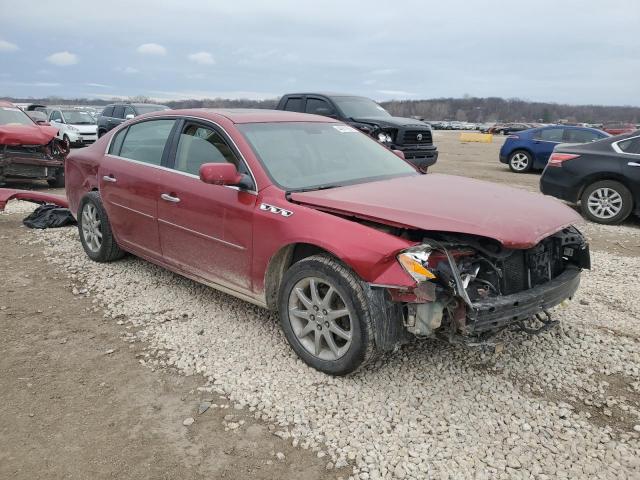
75 117
306 155
14 116
150 108
360 107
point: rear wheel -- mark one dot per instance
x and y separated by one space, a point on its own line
607 202
95 231
520 161
325 315
101 133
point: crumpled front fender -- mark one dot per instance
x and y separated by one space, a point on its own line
7 194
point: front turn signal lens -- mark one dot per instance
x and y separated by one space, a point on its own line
413 263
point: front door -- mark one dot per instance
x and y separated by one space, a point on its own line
128 180
205 229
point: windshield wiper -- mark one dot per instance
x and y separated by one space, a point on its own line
312 189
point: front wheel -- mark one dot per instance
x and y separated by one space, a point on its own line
520 161
607 202
325 315
95 231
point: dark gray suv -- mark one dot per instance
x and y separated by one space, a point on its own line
116 113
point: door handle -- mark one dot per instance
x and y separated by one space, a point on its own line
109 178
169 198
633 164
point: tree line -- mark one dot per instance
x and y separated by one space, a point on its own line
468 109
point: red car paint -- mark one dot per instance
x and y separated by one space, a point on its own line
449 204
219 235
7 194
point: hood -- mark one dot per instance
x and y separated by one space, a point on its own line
446 203
26 134
390 122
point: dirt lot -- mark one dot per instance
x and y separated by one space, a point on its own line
82 395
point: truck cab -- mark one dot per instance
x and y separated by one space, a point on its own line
410 136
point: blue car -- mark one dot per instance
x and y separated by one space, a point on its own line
530 149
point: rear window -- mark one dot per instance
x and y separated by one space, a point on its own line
145 141
632 145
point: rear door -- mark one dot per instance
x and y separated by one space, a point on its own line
128 178
117 117
205 229
544 142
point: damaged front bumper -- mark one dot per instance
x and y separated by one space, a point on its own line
30 162
500 312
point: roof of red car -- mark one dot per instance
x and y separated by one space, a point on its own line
247 115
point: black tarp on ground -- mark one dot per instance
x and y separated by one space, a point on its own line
49 216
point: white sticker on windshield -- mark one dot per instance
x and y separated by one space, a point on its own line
344 129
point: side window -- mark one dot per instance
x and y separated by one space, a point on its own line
108 111
56 116
580 136
128 110
116 143
631 145
551 134
198 145
318 106
294 104
118 111
145 141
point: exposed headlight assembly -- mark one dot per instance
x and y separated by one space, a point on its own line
415 262
384 137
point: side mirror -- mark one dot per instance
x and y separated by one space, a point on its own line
399 153
220 174
129 116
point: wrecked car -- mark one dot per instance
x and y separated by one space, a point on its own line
29 151
356 250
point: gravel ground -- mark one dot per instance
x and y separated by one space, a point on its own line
565 404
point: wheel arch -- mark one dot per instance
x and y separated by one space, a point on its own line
601 176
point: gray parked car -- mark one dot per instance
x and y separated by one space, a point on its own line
116 113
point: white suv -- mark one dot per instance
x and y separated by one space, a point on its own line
75 126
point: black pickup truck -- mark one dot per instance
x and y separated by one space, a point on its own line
412 137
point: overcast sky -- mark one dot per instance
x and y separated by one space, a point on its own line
563 51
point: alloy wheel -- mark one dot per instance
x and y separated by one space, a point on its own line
91 227
520 161
604 203
320 319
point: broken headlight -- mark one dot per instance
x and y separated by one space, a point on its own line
415 262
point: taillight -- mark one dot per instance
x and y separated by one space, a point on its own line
513 136
556 159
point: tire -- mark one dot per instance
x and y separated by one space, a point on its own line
101 133
502 132
66 140
104 249
58 180
315 316
607 202
520 161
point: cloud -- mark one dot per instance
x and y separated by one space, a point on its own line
203 58
398 93
151 49
7 46
127 70
97 85
63 59
195 76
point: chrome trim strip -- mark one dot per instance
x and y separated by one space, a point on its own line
132 210
206 120
203 235
617 149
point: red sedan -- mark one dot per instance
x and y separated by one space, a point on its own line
304 215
